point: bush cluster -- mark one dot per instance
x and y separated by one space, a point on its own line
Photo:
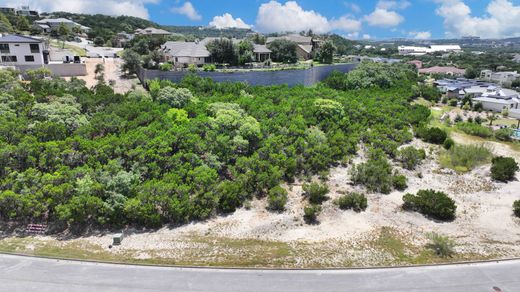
410 157
276 199
441 245
432 135
516 208
475 129
431 203
316 192
503 168
311 212
463 158
355 201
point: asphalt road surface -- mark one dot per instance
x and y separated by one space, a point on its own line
37 274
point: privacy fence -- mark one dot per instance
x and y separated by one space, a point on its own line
291 77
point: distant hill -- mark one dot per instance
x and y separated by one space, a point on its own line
103 25
203 32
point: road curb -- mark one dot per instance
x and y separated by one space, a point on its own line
262 268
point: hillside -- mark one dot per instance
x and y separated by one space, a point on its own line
203 32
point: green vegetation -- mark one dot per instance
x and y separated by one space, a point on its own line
504 134
516 208
463 158
355 201
375 174
399 182
410 157
443 246
475 129
431 203
315 192
284 51
276 199
78 157
326 53
432 135
503 168
310 213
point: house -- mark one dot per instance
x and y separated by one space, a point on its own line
26 11
452 71
182 54
152 31
419 51
516 58
305 44
262 53
52 24
121 39
8 10
497 99
18 50
418 64
503 78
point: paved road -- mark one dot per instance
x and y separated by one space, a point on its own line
35 274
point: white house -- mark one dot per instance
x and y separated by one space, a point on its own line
184 53
50 24
504 78
495 99
18 50
419 51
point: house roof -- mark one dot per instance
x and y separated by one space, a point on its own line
186 49
18 39
151 30
261 49
306 48
54 20
439 69
495 100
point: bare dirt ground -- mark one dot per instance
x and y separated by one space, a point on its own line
112 72
384 234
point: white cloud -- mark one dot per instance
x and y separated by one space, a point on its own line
227 21
420 35
501 19
187 10
384 18
393 5
110 7
367 36
276 17
353 6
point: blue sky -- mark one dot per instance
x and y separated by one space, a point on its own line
422 19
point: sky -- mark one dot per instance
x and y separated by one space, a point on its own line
354 19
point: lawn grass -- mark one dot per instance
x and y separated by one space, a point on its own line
77 50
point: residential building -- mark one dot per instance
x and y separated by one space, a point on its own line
51 24
452 71
305 45
26 11
503 78
152 31
17 50
262 53
8 10
182 54
418 64
121 39
419 51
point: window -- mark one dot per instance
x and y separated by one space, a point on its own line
4 48
9 59
35 48
29 58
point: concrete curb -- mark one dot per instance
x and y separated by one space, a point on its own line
262 268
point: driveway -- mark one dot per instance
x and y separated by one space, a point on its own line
37 274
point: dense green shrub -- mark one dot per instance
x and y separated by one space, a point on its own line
431 203
355 201
463 158
375 174
175 97
503 168
166 67
311 212
448 143
432 135
441 245
276 199
475 129
504 134
410 157
516 208
399 182
315 192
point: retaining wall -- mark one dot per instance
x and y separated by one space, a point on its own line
306 77
61 70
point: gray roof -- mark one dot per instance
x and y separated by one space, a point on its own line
186 49
54 20
18 39
151 30
293 37
495 100
306 48
261 49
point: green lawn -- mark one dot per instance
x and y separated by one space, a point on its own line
77 50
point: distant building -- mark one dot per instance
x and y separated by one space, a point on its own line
182 54
152 31
503 78
452 71
26 11
418 64
51 24
262 53
7 10
18 50
305 45
419 51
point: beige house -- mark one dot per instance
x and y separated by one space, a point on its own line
305 45
182 54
